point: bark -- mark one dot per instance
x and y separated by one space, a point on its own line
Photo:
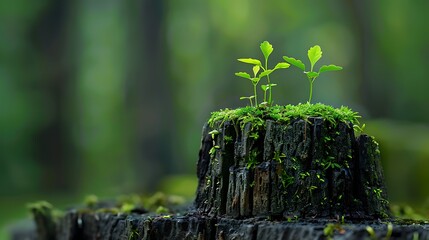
89 226
263 181
311 168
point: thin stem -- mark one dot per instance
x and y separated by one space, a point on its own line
251 102
256 96
270 97
311 90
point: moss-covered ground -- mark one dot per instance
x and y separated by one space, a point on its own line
285 114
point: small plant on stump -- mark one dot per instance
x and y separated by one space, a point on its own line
314 55
266 49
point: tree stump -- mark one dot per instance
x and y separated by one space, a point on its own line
305 178
305 168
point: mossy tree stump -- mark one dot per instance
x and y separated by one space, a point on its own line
301 166
304 168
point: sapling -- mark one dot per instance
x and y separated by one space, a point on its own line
314 55
260 71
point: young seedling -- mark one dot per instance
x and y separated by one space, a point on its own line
265 88
266 49
314 55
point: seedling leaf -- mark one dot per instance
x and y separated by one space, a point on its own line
265 73
256 69
314 54
251 97
264 87
255 80
331 67
266 49
250 61
282 65
312 74
295 62
243 75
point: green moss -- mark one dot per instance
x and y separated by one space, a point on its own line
285 114
91 201
42 207
253 159
278 157
162 210
286 180
405 214
227 139
45 209
46 218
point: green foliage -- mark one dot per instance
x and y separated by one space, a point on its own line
371 232
91 200
331 228
314 55
253 160
162 210
407 212
286 180
42 207
278 156
127 207
285 114
266 49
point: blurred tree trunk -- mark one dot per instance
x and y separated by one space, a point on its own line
100 119
362 18
48 36
150 92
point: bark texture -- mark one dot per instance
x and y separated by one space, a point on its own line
263 180
307 168
104 226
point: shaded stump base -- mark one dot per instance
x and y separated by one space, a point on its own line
194 226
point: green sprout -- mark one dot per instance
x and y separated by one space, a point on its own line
266 49
314 55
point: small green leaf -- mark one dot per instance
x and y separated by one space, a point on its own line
243 75
282 65
266 49
255 80
297 63
268 86
331 67
256 69
243 98
312 74
214 132
250 61
265 73
314 54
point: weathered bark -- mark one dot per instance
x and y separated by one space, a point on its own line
94 226
307 168
263 181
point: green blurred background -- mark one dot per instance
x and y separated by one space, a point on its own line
109 97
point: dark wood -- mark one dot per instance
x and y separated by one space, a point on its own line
308 168
270 181
94 226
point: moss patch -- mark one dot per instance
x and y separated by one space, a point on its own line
285 114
